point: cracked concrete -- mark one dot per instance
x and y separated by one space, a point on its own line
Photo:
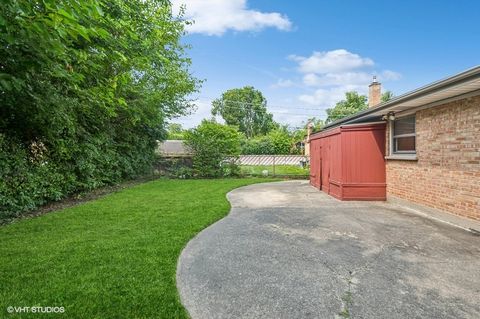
287 250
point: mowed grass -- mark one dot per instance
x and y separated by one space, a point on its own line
114 257
280 170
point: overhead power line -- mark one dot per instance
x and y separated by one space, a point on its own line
275 106
268 105
284 111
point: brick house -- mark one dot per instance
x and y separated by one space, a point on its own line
431 151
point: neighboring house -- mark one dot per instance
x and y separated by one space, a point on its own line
173 148
422 147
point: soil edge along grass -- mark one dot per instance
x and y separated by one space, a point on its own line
114 257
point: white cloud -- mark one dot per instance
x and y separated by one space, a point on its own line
330 61
389 75
327 97
333 73
332 79
281 83
215 17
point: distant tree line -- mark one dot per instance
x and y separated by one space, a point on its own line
250 129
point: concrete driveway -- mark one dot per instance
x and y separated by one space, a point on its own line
287 250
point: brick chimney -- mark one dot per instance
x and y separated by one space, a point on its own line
374 93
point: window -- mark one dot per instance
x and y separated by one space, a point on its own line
403 135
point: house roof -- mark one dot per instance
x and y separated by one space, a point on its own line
172 148
461 85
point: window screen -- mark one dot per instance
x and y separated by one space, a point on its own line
403 138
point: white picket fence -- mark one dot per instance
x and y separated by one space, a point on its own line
272 159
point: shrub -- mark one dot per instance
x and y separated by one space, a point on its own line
174 167
86 88
257 146
276 142
215 147
27 181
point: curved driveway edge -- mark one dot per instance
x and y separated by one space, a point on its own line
287 250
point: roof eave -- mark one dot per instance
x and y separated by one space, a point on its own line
422 91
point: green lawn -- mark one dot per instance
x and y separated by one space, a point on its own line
114 257
279 170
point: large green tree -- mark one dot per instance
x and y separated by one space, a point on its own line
352 104
85 89
245 108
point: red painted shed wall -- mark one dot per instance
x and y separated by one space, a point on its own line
348 162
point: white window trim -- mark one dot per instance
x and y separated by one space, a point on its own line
402 155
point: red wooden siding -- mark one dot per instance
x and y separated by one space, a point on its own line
348 162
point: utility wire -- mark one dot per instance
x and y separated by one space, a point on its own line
287 111
275 106
271 105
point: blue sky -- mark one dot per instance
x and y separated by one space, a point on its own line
303 55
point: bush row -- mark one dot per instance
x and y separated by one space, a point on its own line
86 87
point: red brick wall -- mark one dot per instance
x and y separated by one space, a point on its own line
447 173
